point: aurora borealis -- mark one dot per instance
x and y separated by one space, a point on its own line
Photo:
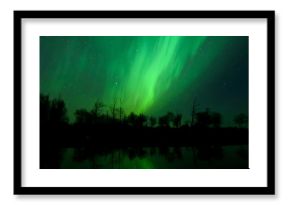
147 74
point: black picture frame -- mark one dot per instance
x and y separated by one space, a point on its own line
270 18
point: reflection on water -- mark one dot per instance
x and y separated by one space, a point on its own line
207 157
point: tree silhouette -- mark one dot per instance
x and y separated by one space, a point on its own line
163 121
193 112
177 120
166 120
53 123
216 119
203 119
152 121
113 109
241 120
44 109
170 117
141 120
58 112
132 119
121 111
82 116
97 109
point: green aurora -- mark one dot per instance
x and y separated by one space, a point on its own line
147 74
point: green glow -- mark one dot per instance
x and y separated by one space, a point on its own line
156 63
148 74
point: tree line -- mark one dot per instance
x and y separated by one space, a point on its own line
54 112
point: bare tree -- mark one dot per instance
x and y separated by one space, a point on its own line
98 107
113 109
121 111
177 120
195 106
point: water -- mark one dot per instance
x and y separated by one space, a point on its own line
222 157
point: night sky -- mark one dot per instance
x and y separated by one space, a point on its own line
148 74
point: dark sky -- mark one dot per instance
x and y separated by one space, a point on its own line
147 74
